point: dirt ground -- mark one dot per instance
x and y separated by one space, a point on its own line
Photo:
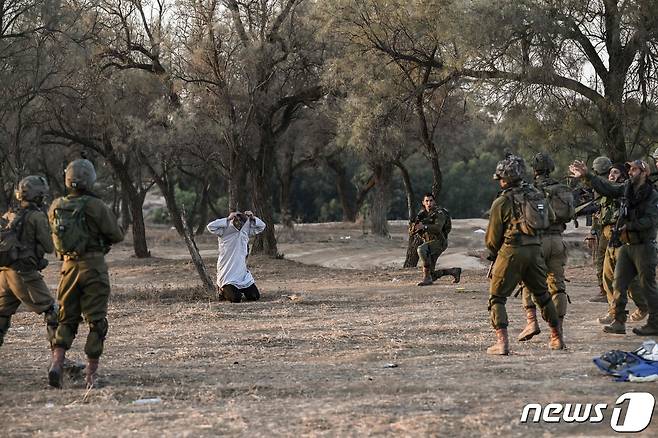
343 343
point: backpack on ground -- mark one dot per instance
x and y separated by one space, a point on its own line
69 226
531 210
561 199
10 240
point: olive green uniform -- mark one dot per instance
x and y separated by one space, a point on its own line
554 252
608 217
84 286
601 247
637 256
435 235
518 258
22 283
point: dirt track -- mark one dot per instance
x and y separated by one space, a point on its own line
327 351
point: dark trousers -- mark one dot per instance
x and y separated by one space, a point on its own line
234 294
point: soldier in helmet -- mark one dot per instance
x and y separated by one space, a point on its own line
596 241
553 247
433 224
21 281
608 216
637 242
83 229
516 252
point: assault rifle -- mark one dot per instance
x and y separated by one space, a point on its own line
615 239
412 224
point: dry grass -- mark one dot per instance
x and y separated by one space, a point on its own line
312 358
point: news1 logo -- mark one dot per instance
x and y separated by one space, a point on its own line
632 412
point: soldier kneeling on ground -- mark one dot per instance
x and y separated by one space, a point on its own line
433 224
233 232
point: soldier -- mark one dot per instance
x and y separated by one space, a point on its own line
83 230
637 253
233 232
515 249
553 248
433 224
608 216
596 242
21 281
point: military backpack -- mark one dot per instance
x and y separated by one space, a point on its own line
10 239
561 199
69 226
531 211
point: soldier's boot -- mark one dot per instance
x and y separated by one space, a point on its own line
638 315
601 297
91 376
606 319
438 273
427 279
650 328
617 327
5 321
50 318
532 328
456 274
56 369
501 347
556 339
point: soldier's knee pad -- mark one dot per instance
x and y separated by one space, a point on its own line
96 338
231 293
50 318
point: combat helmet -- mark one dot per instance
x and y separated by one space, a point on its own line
80 174
601 165
543 163
31 188
511 169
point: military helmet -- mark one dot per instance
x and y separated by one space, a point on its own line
31 188
654 155
80 174
511 169
543 163
601 165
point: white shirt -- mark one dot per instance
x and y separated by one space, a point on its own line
232 260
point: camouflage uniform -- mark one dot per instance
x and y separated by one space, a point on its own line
84 286
637 256
22 283
554 251
601 167
517 258
435 235
608 217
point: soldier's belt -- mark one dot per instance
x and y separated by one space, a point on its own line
87 255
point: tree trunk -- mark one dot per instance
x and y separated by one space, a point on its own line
197 260
126 218
265 242
344 188
613 134
411 259
380 199
203 209
140 245
286 208
237 184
